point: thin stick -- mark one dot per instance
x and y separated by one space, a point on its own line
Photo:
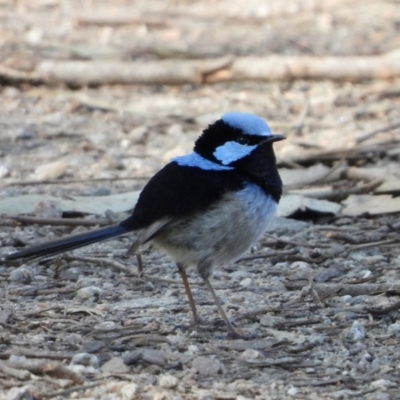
68 391
374 132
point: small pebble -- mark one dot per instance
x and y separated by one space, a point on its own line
47 209
241 274
88 292
150 356
394 329
292 391
355 333
271 321
52 170
83 370
326 274
22 275
193 349
246 282
365 274
3 171
373 260
162 395
346 316
115 365
137 134
368 357
167 381
251 354
85 359
383 384
207 366
132 357
360 255
299 265
92 346
108 286
129 391
153 356
73 338
237 299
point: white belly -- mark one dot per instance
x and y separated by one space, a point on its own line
223 233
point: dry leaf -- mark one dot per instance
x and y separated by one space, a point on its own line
358 204
50 171
300 177
290 204
86 204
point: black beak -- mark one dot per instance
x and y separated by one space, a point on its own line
273 138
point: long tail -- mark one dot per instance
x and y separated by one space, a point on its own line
69 243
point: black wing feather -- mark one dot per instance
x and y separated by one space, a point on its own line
177 191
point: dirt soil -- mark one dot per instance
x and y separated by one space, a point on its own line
320 300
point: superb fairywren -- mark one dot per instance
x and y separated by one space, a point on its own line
203 209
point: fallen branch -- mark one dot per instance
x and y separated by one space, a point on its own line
226 69
341 289
81 73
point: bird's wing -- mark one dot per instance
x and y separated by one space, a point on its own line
176 192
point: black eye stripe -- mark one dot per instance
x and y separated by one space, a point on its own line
250 140
217 135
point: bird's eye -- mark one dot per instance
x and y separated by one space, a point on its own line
243 140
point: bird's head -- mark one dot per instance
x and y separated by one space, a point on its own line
234 138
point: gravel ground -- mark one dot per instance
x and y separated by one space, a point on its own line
319 299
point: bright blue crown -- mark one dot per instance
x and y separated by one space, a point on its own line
249 124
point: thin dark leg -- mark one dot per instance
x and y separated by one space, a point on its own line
231 329
182 271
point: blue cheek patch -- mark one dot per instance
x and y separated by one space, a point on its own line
249 124
231 152
196 160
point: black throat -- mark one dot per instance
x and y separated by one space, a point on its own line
260 168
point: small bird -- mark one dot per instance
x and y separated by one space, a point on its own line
203 209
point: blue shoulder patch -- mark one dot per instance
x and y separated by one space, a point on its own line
196 160
248 123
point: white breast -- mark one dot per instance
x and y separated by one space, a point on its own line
223 233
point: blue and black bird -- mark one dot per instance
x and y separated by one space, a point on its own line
203 209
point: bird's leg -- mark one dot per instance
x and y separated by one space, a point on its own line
228 323
182 271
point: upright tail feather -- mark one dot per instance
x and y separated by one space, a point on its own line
69 243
